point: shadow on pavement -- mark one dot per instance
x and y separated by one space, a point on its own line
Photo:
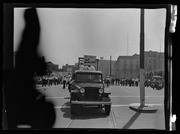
90 113
83 112
67 97
136 116
131 121
66 104
133 118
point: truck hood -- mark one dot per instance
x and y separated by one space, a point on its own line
97 85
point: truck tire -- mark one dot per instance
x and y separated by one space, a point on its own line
107 109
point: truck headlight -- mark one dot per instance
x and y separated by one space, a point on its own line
82 90
100 90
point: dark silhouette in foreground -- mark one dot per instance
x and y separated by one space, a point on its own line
25 105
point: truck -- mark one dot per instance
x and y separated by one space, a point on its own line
87 89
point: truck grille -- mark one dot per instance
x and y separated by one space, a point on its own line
91 94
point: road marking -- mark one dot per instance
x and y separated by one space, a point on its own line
113 118
110 96
122 105
126 105
57 97
133 96
69 123
63 107
24 126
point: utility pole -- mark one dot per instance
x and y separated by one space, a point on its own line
127 45
136 106
142 88
110 66
160 59
97 60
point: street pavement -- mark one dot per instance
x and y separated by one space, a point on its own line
121 116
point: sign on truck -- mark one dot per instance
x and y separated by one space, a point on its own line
89 60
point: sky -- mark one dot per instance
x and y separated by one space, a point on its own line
69 33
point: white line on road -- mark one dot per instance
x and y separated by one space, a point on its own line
123 105
126 105
57 97
134 96
113 118
110 96
69 123
63 107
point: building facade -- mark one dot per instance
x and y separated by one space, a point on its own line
128 66
104 66
70 69
52 67
107 67
154 61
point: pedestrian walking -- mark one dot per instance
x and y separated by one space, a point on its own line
64 82
112 81
118 81
107 81
68 80
136 82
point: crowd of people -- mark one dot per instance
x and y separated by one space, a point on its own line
108 81
121 82
50 80
47 81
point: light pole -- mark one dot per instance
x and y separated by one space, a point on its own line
136 106
110 66
142 88
97 64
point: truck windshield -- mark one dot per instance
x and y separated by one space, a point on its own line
96 78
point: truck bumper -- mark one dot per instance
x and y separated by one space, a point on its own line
91 102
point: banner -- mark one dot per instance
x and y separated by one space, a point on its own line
89 60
